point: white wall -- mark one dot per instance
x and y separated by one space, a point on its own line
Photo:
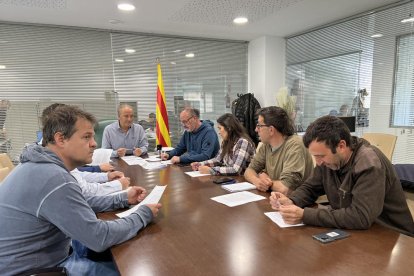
266 68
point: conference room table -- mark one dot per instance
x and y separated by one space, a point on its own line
194 235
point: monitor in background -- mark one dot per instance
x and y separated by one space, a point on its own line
349 121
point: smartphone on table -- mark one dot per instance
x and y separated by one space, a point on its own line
331 236
224 180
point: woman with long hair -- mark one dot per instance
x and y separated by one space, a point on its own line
236 151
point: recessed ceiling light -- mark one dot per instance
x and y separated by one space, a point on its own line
2 66
190 55
126 7
240 20
377 35
129 50
119 60
177 51
173 62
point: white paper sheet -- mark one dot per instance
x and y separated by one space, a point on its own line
153 165
133 160
196 174
153 159
238 187
153 198
276 217
236 199
167 148
101 156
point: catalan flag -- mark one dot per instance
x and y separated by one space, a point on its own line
162 128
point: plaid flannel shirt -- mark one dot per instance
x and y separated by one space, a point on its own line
243 152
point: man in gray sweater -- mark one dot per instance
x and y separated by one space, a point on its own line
358 179
42 208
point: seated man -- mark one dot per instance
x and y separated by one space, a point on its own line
125 137
42 208
150 123
100 184
282 162
359 181
105 167
199 141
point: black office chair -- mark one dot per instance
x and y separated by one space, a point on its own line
406 174
99 128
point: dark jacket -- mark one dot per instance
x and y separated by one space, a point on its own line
364 191
244 108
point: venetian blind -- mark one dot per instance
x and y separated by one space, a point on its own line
330 67
205 74
40 65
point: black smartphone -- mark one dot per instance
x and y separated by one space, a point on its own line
224 180
331 236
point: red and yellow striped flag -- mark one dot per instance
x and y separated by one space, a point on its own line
162 128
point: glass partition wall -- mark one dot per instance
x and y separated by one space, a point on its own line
362 67
98 69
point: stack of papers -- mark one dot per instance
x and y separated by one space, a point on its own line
196 174
156 164
276 217
236 199
238 187
153 198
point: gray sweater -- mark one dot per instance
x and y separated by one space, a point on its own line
42 209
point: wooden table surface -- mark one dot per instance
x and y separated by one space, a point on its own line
194 235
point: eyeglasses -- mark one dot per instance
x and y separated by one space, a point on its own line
259 126
184 122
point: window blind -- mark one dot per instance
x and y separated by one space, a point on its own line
208 79
330 67
40 65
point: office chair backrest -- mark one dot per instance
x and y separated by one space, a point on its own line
99 129
3 173
385 142
5 161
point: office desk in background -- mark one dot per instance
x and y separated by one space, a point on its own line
194 235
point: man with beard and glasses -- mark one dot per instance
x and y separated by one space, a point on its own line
358 179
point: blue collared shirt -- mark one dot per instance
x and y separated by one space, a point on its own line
115 138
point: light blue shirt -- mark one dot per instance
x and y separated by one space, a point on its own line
96 184
115 138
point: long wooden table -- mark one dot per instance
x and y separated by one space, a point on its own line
194 235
